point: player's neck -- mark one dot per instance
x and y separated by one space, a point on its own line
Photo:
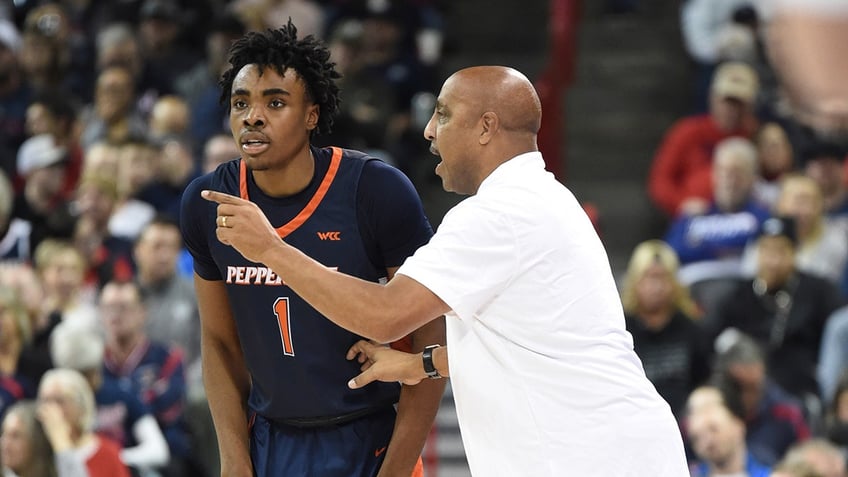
289 178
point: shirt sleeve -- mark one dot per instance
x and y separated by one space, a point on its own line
472 258
194 213
390 214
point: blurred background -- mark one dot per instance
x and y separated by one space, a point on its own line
682 126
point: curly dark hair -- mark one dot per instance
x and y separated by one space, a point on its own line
281 49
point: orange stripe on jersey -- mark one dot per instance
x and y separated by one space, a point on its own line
418 471
313 203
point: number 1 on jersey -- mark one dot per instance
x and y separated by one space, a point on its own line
281 310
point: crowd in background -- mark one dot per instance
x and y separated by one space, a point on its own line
738 309
108 109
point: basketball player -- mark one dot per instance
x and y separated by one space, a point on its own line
274 368
545 378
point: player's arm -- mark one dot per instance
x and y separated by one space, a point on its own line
416 409
225 377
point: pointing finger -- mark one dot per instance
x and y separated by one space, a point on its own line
221 197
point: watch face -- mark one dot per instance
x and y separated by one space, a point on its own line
427 358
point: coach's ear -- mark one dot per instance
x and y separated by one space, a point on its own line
490 124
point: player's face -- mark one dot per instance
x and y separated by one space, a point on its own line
449 132
270 116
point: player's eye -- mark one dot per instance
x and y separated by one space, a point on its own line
239 104
277 103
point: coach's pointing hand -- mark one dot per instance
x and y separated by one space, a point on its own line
243 226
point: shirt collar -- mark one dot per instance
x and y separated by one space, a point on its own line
511 166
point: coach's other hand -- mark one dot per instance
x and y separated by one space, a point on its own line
242 225
382 363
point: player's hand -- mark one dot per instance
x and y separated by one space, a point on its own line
242 225
382 363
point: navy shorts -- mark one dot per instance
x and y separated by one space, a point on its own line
353 449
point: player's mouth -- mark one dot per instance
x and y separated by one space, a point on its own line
433 150
254 143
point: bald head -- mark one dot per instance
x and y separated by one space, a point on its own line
503 91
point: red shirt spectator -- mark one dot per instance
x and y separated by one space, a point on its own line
682 165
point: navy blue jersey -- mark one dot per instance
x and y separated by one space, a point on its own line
358 216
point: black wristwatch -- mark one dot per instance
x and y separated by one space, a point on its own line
427 357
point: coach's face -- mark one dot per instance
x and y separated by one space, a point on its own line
451 133
271 116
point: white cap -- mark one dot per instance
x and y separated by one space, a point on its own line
39 152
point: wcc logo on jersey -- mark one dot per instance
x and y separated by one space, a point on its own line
329 235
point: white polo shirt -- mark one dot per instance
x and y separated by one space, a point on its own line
544 375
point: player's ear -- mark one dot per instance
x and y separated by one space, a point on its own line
312 115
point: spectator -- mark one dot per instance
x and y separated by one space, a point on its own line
219 149
169 299
22 279
821 455
175 169
138 162
20 370
679 181
55 114
119 46
62 271
822 244
824 162
120 416
150 370
710 244
41 162
784 310
366 115
15 95
101 158
30 450
45 54
774 420
704 25
108 257
165 55
169 118
716 431
200 85
14 232
776 158
794 469
113 116
65 398
836 423
258 15
833 357
659 314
